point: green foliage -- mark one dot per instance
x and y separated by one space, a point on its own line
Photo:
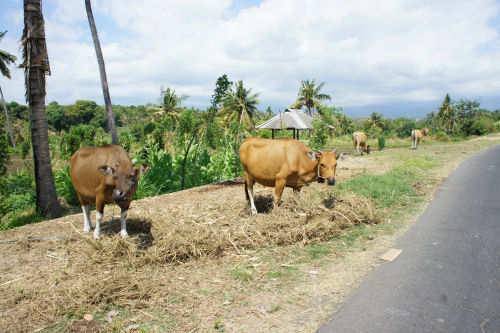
319 135
403 126
125 139
79 136
481 126
25 148
310 96
4 152
64 186
381 142
17 200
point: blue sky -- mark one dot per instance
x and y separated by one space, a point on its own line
402 55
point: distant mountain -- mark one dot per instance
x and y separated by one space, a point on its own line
413 109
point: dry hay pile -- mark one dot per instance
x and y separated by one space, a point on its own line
142 272
308 219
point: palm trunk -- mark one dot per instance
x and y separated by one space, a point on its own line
36 66
102 71
8 121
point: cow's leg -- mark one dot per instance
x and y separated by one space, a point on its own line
87 224
417 141
99 212
296 191
123 232
362 150
278 189
249 192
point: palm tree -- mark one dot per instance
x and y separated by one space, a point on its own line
102 71
5 59
375 122
446 114
310 96
36 66
240 106
345 124
170 103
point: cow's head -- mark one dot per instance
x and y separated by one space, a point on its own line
425 131
327 166
124 177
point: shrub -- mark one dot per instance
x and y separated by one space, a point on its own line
79 136
64 186
125 139
381 142
319 135
4 152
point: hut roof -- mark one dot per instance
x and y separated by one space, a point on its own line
290 119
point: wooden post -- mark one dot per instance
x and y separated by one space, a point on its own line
272 131
298 131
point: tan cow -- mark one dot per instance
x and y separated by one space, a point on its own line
102 175
283 162
416 136
359 140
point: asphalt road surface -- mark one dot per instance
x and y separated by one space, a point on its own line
448 277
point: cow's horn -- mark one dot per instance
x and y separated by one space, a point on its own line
317 151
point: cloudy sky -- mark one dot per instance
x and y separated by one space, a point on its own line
388 52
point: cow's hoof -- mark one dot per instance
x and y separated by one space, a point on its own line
254 212
124 234
96 236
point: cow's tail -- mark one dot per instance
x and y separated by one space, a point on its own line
246 191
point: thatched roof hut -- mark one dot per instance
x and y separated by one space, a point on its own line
291 119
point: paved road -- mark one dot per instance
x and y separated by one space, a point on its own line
448 277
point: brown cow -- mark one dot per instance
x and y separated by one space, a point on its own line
416 136
283 162
102 175
359 140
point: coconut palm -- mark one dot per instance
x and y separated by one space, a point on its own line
170 104
375 122
102 71
240 106
310 96
36 66
5 59
446 114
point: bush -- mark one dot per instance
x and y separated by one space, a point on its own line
381 142
482 126
79 136
64 186
319 135
125 140
4 152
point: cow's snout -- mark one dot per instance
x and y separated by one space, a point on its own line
331 181
118 195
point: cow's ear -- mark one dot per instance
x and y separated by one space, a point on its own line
106 170
144 168
337 155
312 155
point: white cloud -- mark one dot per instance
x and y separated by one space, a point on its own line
366 52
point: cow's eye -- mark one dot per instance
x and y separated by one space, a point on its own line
132 183
322 165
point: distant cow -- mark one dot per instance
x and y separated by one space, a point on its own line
104 175
283 162
359 140
416 135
